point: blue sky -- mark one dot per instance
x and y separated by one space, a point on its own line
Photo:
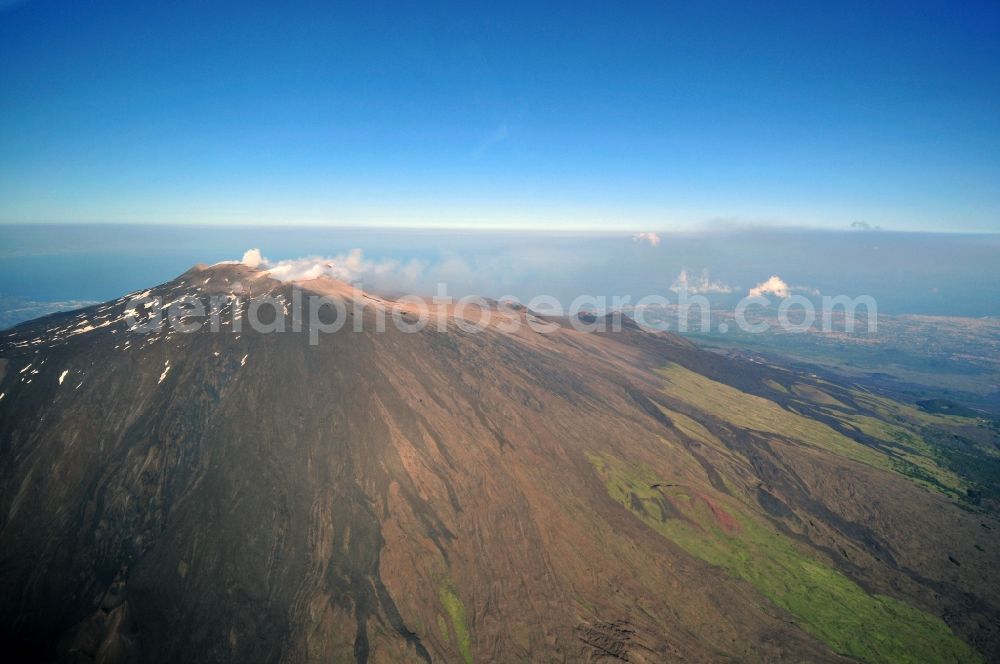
588 115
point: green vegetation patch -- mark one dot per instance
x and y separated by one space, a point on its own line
456 612
749 411
443 627
900 427
976 463
912 456
815 395
872 628
930 451
775 385
692 428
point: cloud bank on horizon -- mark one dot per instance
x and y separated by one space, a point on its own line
946 275
415 276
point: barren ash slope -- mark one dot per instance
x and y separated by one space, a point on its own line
450 496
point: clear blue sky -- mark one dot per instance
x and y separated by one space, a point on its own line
597 115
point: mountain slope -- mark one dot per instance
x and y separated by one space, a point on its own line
455 496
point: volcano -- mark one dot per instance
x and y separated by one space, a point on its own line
444 494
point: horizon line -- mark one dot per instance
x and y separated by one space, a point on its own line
711 227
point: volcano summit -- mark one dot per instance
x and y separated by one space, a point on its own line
231 494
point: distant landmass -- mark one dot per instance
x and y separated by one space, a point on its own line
14 310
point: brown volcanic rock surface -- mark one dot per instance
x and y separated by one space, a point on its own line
382 497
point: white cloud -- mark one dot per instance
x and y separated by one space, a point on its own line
252 258
700 285
653 239
351 267
774 285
